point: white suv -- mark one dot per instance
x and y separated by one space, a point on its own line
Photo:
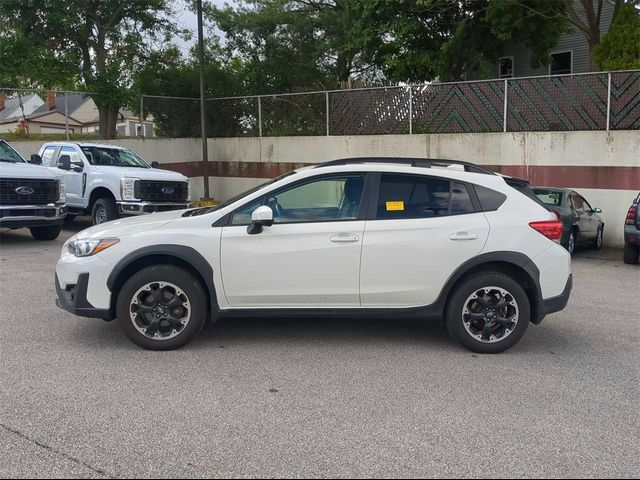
106 181
386 237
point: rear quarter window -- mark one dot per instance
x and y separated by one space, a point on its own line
490 200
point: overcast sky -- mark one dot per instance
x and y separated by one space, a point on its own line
187 19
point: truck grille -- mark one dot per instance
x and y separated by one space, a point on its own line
34 192
151 191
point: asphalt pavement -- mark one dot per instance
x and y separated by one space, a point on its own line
317 398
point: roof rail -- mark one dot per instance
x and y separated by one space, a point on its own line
414 162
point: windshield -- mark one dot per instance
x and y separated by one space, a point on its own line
552 198
8 154
204 210
113 157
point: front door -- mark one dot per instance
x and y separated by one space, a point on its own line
75 182
309 257
424 229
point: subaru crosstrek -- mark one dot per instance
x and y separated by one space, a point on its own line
385 237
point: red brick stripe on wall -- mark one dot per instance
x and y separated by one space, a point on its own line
608 178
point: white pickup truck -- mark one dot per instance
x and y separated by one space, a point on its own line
30 196
107 181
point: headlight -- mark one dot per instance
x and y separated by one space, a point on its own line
88 247
127 188
62 195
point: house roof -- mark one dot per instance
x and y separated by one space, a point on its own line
74 102
12 110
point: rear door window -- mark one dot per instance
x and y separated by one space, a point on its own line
418 196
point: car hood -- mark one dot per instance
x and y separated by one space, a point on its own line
25 170
146 173
129 226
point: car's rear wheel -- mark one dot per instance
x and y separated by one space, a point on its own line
46 233
162 307
488 313
631 254
571 242
597 244
104 210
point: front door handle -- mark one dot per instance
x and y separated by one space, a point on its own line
344 238
462 236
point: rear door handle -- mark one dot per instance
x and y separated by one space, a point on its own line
462 236
344 238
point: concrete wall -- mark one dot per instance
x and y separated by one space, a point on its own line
604 167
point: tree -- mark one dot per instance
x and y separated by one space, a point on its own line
586 16
620 47
97 43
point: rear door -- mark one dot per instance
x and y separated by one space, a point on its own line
421 230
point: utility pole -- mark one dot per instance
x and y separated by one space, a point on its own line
203 126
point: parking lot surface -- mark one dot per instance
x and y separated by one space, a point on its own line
308 398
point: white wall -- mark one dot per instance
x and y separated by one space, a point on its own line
574 149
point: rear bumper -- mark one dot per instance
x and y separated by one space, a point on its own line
555 304
73 299
631 235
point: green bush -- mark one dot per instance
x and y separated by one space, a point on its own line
620 47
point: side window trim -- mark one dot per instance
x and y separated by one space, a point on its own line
228 218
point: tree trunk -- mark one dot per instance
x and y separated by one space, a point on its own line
108 121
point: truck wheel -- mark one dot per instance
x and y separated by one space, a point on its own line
162 307
631 254
104 210
488 313
46 233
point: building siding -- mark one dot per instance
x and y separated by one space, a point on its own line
574 41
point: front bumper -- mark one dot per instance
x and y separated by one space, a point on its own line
25 216
141 208
73 299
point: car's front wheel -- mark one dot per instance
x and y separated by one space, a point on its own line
46 233
162 307
597 244
488 313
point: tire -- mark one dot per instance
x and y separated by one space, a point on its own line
631 254
46 233
597 243
571 242
136 305
462 305
104 210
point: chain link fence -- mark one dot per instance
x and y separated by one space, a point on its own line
594 101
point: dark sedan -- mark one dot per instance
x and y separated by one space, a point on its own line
632 233
582 224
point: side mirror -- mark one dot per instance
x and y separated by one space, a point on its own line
64 162
155 164
36 159
261 217
597 210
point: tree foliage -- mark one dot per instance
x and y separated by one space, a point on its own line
620 47
96 44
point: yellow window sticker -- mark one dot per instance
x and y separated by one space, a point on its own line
395 206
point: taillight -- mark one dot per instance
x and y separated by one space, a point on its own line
631 215
550 229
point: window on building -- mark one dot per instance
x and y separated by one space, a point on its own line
506 67
562 62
